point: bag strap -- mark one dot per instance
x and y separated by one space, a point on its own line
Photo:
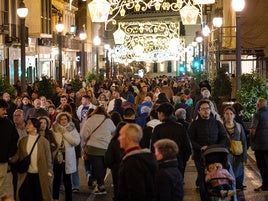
95 130
34 145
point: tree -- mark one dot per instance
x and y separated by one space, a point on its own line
221 85
76 83
45 87
6 87
253 87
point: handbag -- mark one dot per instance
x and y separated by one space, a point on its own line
59 154
84 146
236 147
24 164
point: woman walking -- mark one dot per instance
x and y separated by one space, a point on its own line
35 184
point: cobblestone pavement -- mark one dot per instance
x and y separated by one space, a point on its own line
252 180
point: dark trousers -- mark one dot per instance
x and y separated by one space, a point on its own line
199 163
115 174
31 189
262 164
59 170
98 167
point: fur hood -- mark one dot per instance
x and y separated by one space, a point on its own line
56 127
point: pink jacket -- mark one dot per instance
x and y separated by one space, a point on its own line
219 173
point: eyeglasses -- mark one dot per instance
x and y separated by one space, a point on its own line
205 108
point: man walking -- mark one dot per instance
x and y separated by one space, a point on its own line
205 131
259 141
138 167
8 148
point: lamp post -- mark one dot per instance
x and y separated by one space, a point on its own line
97 42
83 37
107 62
22 12
217 22
238 6
60 28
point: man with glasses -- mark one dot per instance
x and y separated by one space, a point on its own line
205 131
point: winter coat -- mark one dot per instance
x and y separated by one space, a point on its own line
44 163
259 141
137 176
70 139
169 181
146 139
9 139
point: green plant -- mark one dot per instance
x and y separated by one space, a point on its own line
221 85
45 87
6 87
253 86
93 76
76 83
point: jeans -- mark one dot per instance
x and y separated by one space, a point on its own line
75 177
99 168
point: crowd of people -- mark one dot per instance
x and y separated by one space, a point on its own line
144 130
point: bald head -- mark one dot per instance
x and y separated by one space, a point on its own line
261 103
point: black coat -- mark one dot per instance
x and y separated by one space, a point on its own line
137 176
205 132
9 139
174 131
169 181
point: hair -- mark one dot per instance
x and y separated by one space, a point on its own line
89 112
35 123
118 102
203 101
134 132
100 110
68 115
64 96
183 98
129 112
180 113
262 102
238 107
229 108
3 104
153 114
86 97
166 108
168 148
118 128
46 119
52 106
116 118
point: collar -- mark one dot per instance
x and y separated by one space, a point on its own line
133 149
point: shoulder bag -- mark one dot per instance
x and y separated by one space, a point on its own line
24 164
84 146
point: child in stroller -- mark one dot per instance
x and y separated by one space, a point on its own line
220 179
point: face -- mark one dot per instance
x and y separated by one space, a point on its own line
158 155
102 98
115 94
84 101
144 89
204 111
3 112
51 111
30 127
211 167
157 90
37 103
43 100
229 115
25 101
122 137
18 117
63 101
43 124
6 97
63 120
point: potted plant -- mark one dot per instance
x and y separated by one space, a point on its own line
6 87
253 86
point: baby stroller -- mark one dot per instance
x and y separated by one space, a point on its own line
218 154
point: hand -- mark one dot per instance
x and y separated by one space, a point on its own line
204 148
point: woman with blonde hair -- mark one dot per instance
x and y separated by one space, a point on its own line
96 135
67 138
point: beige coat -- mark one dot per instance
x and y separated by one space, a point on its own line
44 163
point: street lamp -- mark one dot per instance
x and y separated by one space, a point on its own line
97 42
83 36
238 6
22 12
60 28
107 62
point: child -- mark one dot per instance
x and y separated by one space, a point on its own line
220 178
